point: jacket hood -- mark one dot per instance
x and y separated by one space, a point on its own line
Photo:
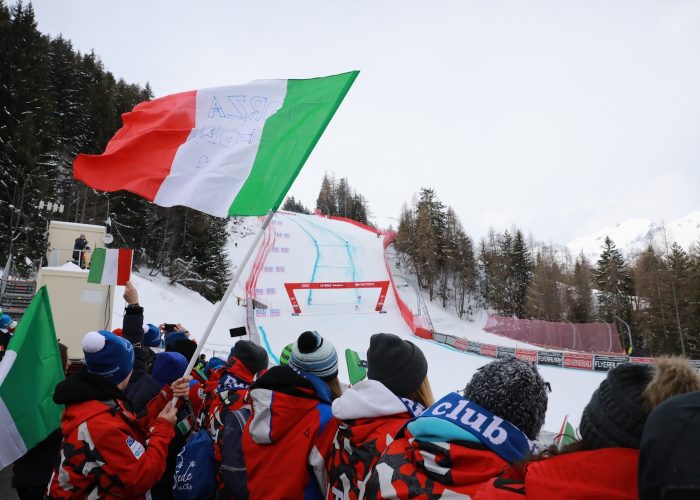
673 376
84 395
85 386
367 399
235 368
282 397
605 473
668 454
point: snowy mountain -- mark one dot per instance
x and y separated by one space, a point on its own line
631 236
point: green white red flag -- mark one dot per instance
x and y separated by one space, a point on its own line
29 372
224 151
111 266
567 434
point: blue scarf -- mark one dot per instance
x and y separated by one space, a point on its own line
499 435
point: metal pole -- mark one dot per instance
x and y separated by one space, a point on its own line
629 330
229 291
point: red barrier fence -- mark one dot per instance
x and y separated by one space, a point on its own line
583 337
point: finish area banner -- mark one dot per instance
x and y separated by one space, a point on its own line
336 285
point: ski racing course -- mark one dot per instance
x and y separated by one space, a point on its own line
313 249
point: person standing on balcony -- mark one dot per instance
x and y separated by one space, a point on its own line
78 249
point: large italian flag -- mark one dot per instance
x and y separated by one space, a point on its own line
29 373
225 151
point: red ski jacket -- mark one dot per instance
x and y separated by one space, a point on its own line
290 411
609 473
226 392
106 451
367 417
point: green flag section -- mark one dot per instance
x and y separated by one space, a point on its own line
567 434
232 150
356 371
29 373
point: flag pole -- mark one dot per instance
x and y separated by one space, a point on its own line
227 294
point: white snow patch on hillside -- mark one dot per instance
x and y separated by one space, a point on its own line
633 235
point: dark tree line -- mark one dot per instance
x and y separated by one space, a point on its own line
656 295
338 198
55 103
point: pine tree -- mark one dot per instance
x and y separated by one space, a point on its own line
614 287
292 205
582 306
326 200
521 273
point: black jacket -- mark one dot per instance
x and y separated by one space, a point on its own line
669 456
142 387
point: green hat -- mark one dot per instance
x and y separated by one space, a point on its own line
286 354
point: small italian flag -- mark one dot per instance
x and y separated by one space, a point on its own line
224 151
111 266
567 435
29 373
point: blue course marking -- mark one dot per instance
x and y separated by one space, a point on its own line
267 346
318 256
345 244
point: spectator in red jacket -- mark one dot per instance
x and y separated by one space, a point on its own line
370 414
228 391
106 451
291 407
461 442
603 464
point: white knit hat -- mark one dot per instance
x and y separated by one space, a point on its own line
313 354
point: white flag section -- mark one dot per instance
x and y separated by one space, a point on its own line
220 151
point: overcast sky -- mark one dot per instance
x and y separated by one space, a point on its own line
560 117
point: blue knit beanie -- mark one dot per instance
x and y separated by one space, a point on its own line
168 367
313 354
5 321
107 355
151 336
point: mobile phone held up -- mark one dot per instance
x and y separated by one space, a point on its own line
169 327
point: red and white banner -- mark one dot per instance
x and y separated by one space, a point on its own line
579 361
337 285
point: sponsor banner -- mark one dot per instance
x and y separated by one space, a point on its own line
280 269
550 358
275 312
275 250
489 350
578 361
635 359
605 363
269 269
270 291
529 355
284 249
462 344
440 337
450 340
261 313
505 352
474 347
258 291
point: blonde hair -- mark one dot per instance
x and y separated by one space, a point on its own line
423 395
673 376
334 386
